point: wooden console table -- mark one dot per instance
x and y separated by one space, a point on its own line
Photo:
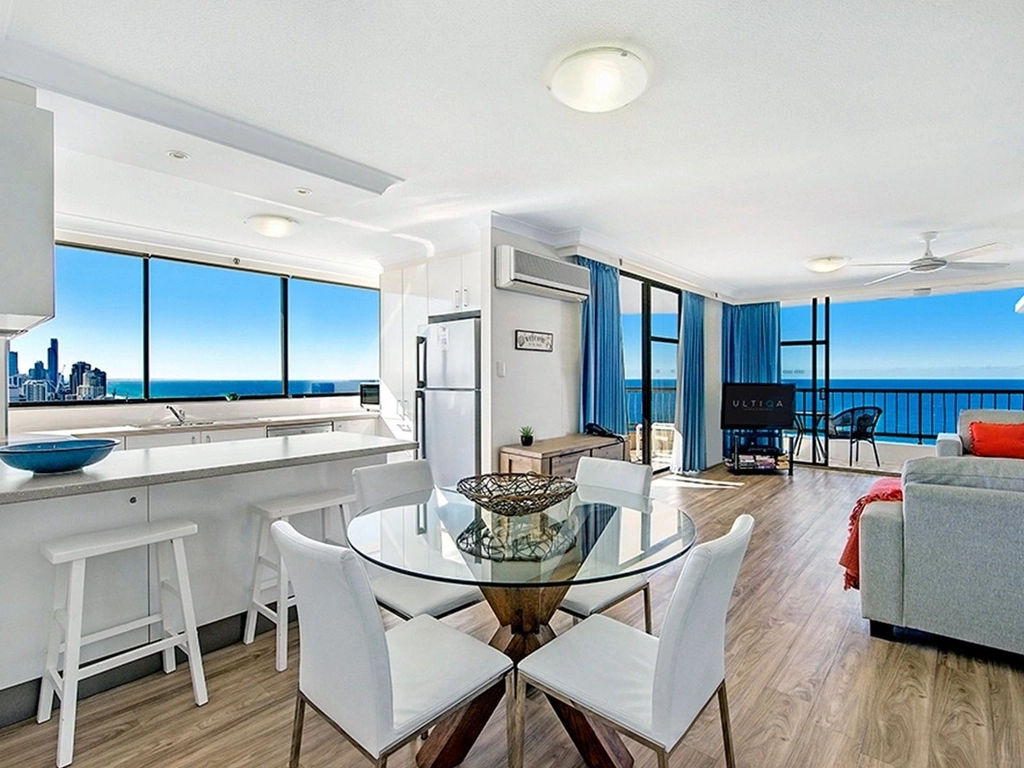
559 455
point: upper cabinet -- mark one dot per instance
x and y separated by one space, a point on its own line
403 309
26 199
453 283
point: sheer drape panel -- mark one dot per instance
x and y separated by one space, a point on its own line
603 379
751 349
689 450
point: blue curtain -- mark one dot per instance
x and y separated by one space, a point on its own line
692 453
603 381
751 349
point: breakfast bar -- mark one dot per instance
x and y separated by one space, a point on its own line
213 485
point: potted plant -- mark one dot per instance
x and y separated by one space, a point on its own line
526 435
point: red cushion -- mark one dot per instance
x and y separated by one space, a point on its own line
999 440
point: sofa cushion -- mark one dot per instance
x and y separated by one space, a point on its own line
967 471
989 416
997 440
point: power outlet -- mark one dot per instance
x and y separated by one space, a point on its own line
500 369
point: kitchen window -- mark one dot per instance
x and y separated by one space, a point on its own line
133 327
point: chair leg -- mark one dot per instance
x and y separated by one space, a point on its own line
281 662
72 657
251 614
170 663
648 620
515 702
723 709
188 615
45 706
300 714
851 453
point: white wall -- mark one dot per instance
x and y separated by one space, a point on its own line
713 380
539 389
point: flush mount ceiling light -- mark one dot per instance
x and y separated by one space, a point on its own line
599 79
826 263
177 154
304 191
272 225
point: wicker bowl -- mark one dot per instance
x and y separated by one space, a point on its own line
514 494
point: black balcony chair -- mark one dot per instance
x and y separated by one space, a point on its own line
856 425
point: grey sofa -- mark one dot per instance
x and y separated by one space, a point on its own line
949 558
959 443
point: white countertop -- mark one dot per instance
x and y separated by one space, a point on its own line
151 466
120 430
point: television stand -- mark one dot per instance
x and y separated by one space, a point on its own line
755 459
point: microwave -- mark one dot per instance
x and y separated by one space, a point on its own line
369 394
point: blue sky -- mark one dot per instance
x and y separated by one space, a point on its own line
206 322
952 336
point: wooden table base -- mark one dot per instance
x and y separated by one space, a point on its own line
524 614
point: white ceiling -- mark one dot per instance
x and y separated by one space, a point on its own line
768 134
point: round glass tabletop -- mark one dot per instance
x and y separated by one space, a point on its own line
595 535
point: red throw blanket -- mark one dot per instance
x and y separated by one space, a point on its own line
883 489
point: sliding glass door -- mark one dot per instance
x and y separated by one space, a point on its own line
805 363
650 334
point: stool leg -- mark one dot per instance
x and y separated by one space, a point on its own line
195 657
72 657
251 615
281 662
45 708
170 663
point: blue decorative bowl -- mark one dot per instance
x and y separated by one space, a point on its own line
55 456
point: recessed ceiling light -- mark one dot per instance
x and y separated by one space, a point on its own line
303 191
599 79
177 154
272 225
826 263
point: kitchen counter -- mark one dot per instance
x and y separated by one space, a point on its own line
154 466
215 485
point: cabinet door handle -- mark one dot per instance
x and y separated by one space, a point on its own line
465 297
193 439
456 297
208 439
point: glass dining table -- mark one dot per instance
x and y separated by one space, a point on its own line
523 566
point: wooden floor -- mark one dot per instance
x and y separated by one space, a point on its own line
808 687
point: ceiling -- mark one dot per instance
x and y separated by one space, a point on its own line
768 134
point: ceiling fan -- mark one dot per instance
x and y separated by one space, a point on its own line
929 262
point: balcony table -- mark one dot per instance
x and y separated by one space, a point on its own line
600 535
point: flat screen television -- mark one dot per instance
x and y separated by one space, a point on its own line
757 406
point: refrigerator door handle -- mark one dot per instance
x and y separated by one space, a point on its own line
420 423
421 362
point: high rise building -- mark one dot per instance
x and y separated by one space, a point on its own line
37 372
52 364
12 363
78 371
35 390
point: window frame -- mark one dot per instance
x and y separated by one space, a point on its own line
145 286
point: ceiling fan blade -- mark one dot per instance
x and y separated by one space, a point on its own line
977 265
976 251
879 264
889 277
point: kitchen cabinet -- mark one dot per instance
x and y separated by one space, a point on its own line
403 311
453 283
161 439
358 426
227 435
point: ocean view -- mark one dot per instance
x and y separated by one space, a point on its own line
131 389
904 411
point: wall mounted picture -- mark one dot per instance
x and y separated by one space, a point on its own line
535 341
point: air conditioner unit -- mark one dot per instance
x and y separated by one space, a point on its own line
517 270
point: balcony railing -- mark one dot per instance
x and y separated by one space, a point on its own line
663 405
909 414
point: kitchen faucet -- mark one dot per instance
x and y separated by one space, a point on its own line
179 415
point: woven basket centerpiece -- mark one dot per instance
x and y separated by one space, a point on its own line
515 494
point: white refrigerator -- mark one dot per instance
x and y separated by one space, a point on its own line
448 397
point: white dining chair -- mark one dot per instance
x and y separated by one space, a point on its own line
403 595
650 689
379 689
583 600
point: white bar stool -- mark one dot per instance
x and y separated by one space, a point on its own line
66 620
283 509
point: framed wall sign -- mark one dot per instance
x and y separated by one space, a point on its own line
535 341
